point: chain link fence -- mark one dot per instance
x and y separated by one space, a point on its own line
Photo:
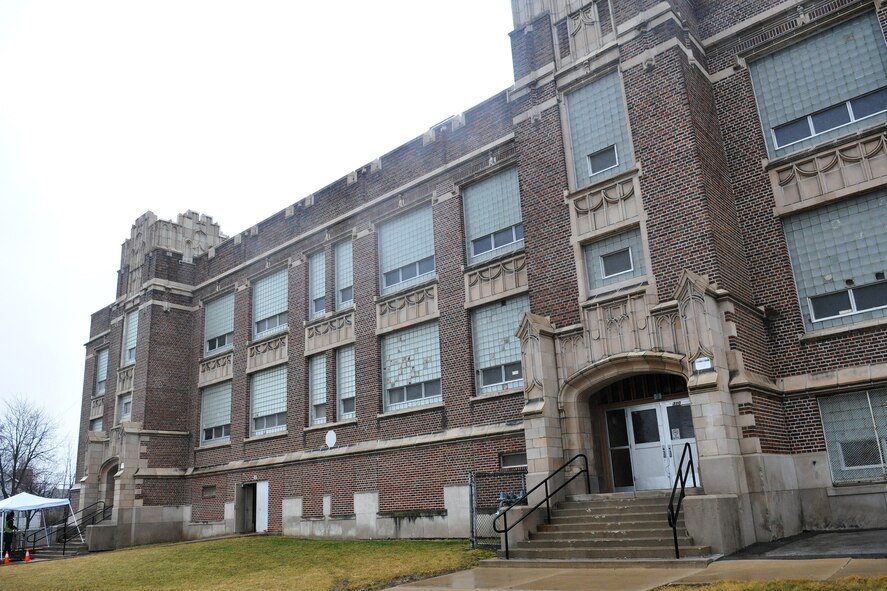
490 491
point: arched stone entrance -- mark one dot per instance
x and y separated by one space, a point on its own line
108 483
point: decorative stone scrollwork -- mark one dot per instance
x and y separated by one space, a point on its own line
406 309
585 31
496 280
124 379
572 354
216 369
267 353
618 325
96 408
329 333
855 166
604 205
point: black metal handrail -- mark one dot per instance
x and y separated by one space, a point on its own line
89 515
503 513
681 478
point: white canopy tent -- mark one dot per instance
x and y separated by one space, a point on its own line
28 502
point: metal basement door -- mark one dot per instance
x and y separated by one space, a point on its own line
646 442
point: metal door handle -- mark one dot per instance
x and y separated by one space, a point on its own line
663 452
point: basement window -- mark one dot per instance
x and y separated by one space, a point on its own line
209 492
513 460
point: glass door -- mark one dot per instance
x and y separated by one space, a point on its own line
652 467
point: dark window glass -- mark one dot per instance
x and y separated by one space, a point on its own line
408 272
621 459
860 453
396 396
503 237
347 405
870 296
491 375
319 305
680 422
392 277
645 426
519 232
513 372
414 392
600 161
617 262
869 104
617 428
432 388
346 294
483 244
831 118
791 132
832 304
426 265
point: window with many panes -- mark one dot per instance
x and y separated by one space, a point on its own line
316 285
130 337
124 407
598 130
614 259
270 304
96 424
101 372
268 401
855 427
497 354
344 276
493 224
218 324
839 259
411 367
317 388
406 250
215 413
822 87
346 387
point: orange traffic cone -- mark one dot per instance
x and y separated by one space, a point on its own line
27 555
6 558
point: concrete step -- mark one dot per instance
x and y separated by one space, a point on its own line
600 563
625 553
609 534
640 495
654 520
658 542
611 510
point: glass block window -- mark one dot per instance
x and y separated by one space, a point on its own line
406 250
130 337
822 87
497 354
268 401
124 407
215 413
839 260
316 285
218 324
614 259
855 428
96 424
411 367
345 382
344 276
598 130
493 223
317 388
270 304
101 372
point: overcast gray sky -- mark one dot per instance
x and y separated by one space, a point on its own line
235 109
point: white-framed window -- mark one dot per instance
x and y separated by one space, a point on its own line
493 222
855 428
497 353
406 250
215 413
346 387
616 263
614 259
96 424
823 86
268 401
317 388
344 276
124 407
411 367
602 160
270 304
598 130
838 255
513 461
317 285
130 337
218 324
101 372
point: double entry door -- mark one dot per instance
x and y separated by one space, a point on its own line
646 442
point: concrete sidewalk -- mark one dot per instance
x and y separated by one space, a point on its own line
645 579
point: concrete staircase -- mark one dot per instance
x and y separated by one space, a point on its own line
620 529
55 551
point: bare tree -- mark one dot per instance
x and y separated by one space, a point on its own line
27 448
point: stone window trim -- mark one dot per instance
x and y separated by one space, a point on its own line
255 438
213 445
411 409
852 300
500 394
207 353
330 425
585 293
837 331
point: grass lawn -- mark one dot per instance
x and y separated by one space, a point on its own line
849 584
262 562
